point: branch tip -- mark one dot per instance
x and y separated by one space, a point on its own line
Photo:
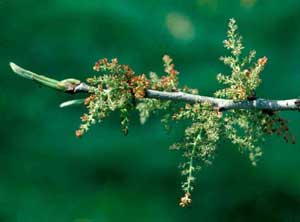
13 66
20 71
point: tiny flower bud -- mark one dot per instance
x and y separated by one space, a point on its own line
79 133
263 61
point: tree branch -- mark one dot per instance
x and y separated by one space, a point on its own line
226 104
73 86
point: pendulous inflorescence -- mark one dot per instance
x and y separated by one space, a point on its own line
117 88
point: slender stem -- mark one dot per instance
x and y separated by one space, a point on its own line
75 86
191 169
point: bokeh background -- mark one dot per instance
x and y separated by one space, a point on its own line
47 174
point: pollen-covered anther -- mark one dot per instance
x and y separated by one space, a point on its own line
79 133
89 99
263 61
96 67
185 200
84 118
247 72
114 61
139 85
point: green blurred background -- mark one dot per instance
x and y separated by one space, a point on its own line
47 174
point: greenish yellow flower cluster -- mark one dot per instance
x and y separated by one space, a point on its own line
245 74
118 88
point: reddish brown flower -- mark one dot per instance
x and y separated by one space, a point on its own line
185 200
79 133
139 84
263 61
